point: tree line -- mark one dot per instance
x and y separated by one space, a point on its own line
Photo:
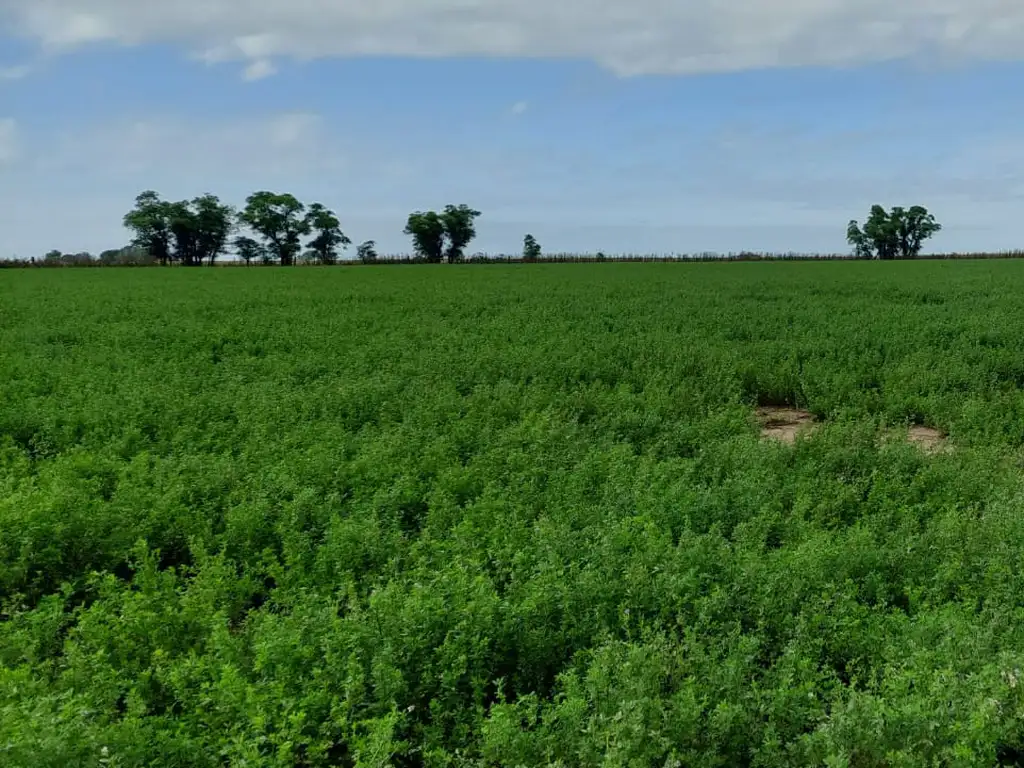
278 229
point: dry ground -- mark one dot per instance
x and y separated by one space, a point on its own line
784 424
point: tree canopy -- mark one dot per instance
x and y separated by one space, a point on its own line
149 222
248 249
366 252
437 237
897 234
328 236
427 231
280 220
459 229
531 248
190 232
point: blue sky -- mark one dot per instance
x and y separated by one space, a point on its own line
649 126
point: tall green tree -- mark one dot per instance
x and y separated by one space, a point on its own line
531 248
150 223
280 220
427 231
214 223
366 251
442 236
863 248
459 229
913 227
248 249
327 234
897 234
200 229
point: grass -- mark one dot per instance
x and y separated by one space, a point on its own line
519 515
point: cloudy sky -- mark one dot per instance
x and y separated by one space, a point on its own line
640 126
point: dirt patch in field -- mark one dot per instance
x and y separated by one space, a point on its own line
784 424
928 439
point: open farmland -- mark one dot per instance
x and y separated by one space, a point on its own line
512 515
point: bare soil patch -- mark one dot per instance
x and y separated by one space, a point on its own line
784 424
930 440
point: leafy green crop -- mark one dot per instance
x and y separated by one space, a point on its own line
511 516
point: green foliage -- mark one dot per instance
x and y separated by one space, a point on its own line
248 249
459 229
531 248
129 256
442 236
511 518
149 222
427 231
327 234
898 234
863 245
57 258
200 229
366 252
187 232
280 219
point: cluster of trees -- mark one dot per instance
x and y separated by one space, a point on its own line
896 234
275 228
272 227
198 231
438 237
60 259
129 256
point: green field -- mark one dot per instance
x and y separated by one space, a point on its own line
511 516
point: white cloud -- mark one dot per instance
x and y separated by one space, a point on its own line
519 107
259 69
8 141
639 36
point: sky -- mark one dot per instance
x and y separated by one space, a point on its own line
648 126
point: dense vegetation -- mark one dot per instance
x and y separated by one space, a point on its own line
271 228
896 234
511 517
